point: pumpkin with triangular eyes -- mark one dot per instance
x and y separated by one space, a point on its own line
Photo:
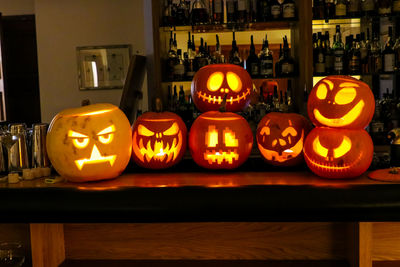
341 102
338 153
213 83
159 140
280 138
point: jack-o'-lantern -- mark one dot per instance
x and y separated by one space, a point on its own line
159 140
338 153
341 102
90 143
213 83
220 140
280 138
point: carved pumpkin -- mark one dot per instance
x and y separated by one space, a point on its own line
341 102
220 140
338 153
280 138
159 140
213 82
90 143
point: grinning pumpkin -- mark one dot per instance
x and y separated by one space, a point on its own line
159 140
90 143
220 140
280 138
338 153
212 83
341 102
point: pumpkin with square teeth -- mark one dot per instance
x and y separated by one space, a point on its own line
220 140
159 140
90 143
280 138
212 83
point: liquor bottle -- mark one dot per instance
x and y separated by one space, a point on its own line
318 9
315 49
320 56
289 97
287 62
179 68
169 98
200 59
368 7
230 11
261 107
329 57
347 53
264 10
168 16
385 7
329 9
253 11
216 57
388 55
341 8
355 56
338 52
375 59
276 9
234 57
266 61
199 13
396 6
252 62
241 11
174 100
218 11
364 53
288 9
171 60
275 99
353 8
278 68
182 13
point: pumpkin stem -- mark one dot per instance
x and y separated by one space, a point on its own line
222 108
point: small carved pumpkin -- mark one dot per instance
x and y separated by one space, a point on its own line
90 143
220 140
213 82
341 102
280 138
159 140
338 153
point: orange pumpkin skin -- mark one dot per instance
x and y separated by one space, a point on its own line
213 82
280 138
338 153
220 140
341 102
159 140
90 143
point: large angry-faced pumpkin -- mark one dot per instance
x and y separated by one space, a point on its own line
90 143
220 140
213 83
280 138
341 102
159 140
338 153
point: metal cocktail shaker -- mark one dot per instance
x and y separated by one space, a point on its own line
39 152
18 153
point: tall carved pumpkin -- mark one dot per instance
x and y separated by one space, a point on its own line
341 102
220 140
280 138
90 143
159 140
213 83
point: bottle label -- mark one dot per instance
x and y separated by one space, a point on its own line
289 10
364 52
287 68
320 57
338 64
266 67
389 63
340 10
320 67
396 6
179 69
241 5
355 64
276 10
254 69
217 6
385 10
367 5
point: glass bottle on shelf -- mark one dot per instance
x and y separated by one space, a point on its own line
199 13
396 6
341 8
353 8
179 68
318 9
278 68
218 11
171 59
264 10
201 59
364 53
266 61
287 62
288 9
234 57
368 7
355 56
182 13
275 99
388 55
288 96
168 16
320 57
253 11
174 100
384 7
241 11
329 9
397 54
276 9
169 98
252 62
375 62
338 52
329 58
217 57
230 11
261 107
347 53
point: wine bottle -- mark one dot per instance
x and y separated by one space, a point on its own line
234 57
388 55
338 52
276 9
252 62
218 12
266 61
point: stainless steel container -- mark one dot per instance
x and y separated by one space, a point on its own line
18 153
39 152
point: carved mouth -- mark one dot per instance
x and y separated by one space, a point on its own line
157 150
333 167
287 154
95 158
220 156
218 100
347 119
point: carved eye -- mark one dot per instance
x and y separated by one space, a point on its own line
344 147
234 82
212 136
322 91
289 130
173 130
107 135
345 96
215 81
144 131
79 140
265 130
319 149
229 138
